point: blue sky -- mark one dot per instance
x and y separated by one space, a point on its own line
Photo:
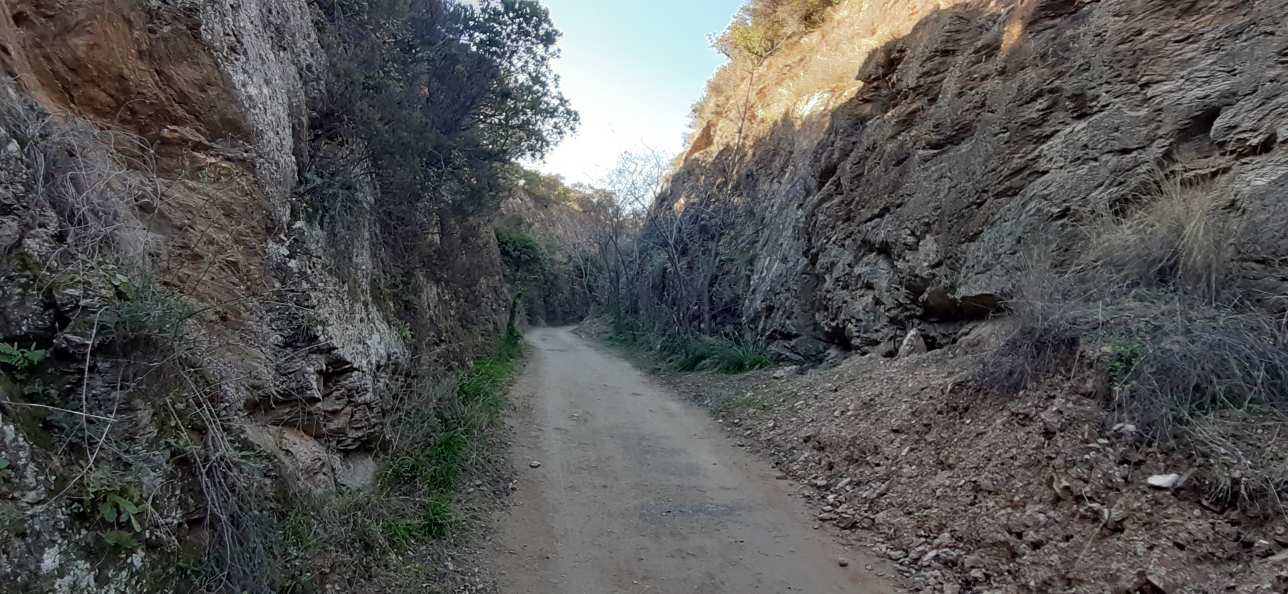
633 69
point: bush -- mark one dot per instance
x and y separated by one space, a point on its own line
146 310
442 95
526 263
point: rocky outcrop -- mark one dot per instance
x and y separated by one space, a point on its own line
956 139
291 350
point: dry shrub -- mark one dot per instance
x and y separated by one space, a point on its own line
1203 361
1050 317
91 177
1151 304
1247 456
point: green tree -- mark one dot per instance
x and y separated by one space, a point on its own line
441 95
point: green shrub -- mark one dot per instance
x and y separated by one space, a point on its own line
21 359
526 264
764 25
701 353
441 97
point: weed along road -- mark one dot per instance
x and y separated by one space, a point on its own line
624 488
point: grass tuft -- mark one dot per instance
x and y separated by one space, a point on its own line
701 353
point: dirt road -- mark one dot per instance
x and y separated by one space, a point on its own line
638 491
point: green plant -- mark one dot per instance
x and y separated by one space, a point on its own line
438 516
438 446
121 539
5 472
147 310
399 532
1123 356
526 262
117 506
120 511
405 331
741 356
697 353
442 97
21 359
298 530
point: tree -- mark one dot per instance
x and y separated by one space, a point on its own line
618 212
440 95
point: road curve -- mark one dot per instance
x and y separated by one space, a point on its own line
638 491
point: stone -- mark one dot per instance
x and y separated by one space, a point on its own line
1052 421
1165 481
843 562
1125 429
913 344
534 464
785 371
1262 549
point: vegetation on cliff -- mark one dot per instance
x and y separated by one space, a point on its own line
176 378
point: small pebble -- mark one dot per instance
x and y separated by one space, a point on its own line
843 562
534 464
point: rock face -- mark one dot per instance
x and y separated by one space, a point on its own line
298 352
951 141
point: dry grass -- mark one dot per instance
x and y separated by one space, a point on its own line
1177 240
1151 304
1247 456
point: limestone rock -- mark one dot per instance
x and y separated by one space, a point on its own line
913 344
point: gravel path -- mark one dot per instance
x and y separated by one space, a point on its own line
625 488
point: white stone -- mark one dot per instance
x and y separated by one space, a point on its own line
1165 481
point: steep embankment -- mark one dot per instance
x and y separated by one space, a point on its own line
181 326
896 167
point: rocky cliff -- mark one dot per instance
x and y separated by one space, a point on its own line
897 166
184 338
1107 177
